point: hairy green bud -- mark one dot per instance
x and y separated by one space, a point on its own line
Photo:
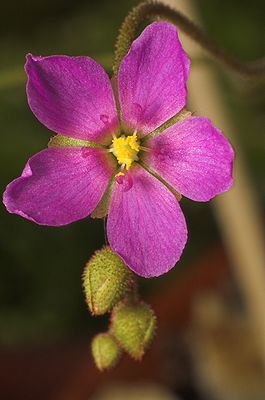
106 279
105 350
133 325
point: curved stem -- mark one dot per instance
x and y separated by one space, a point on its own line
153 10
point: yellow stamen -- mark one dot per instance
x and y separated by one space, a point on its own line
120 174
125 149
144 148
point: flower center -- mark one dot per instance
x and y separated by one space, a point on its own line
125 149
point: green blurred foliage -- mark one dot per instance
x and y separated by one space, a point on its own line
40 285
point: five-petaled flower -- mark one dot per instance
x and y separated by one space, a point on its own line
138 168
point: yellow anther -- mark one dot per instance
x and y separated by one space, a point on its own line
120 174
125 149
132 142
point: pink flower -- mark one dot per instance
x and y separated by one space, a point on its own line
73 97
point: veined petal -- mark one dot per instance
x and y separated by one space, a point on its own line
194 157
60 185
146 227
152 78
72 96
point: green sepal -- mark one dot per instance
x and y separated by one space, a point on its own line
183 114
105 351
133 324
106 279
159 177
102 208
66 141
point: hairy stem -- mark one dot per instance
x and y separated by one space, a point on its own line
151 10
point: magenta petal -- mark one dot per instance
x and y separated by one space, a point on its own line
72 96
146 226
59 185
152 78
194 157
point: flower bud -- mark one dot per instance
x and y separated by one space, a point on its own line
106 279
105 351
133 325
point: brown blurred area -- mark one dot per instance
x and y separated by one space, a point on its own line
66 371
210 309
204 349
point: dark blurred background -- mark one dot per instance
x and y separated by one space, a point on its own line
43 318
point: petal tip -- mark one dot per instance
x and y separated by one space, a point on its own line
10 206
30 58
